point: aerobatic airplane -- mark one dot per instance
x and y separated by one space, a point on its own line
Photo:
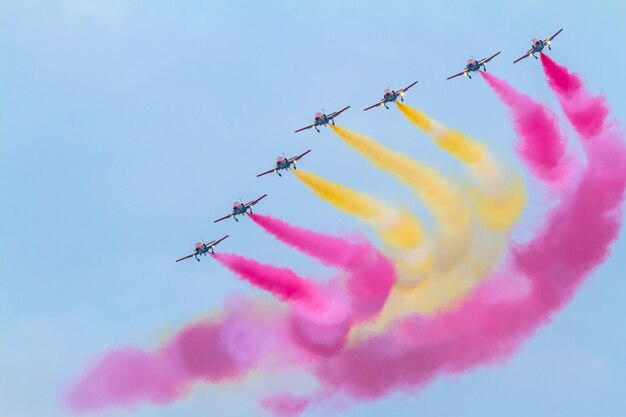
322 119
239 209
390 96
201 249
282 162
473 65
538 46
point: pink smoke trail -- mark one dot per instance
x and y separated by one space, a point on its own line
212 350
247 337
283 283
371 275
285 405
492 323
321 316
541 145
585 112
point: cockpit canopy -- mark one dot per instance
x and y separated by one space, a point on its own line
536 41
236 204
199 245
388 91
318 116
280 159
471 61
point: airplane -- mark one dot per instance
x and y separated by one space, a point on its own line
473 65
239 209
282 162
202 248
538 46
391 95
322 119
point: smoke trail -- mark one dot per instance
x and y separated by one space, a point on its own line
493 322
283 283
440 197
397 228
452 141
216 350
370 274
285 405
250 337
499 200
489 326
585 112
541 145
437 292
321 316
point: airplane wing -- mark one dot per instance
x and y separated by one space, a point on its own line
185 257
526 55
253 202
553 36
485 60
266 172
337 113
456 75
374 105
304 128
296 158
222 218
218 240
405 89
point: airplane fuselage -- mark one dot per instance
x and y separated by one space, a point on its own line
202 249
474 66
390 96
284 164
240 209
537 47
322 120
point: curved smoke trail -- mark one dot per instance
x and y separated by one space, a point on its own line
282 283
488 325
320 317
542 145
492 323
248 336
500 198
371 276
214 350
397 228
440 197
585 112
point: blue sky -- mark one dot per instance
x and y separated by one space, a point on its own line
126 127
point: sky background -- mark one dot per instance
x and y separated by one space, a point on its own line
126 127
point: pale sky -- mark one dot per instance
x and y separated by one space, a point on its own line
126 127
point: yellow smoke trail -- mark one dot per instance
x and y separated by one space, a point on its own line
396 227
499 201
437 292
441 198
